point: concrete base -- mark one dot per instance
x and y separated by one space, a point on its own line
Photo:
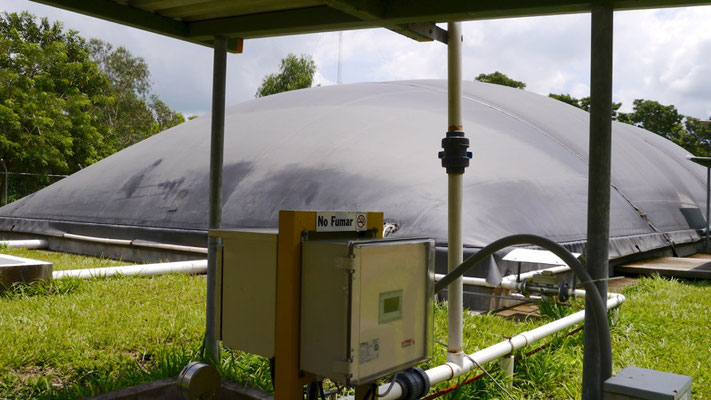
167 389
22 270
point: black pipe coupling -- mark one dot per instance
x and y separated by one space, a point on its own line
560 293
455 157
414 383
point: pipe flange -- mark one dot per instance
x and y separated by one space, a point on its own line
524 288
426 384
414 383
409 384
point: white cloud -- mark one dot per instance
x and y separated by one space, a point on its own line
663 55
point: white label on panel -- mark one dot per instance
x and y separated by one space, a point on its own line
340 221
369 351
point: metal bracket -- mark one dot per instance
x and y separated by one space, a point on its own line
430 31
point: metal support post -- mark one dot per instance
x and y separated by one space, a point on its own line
2 160
217 141
599 161
708 208
455 138
507 366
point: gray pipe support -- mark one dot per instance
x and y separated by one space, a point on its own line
217 140
599 170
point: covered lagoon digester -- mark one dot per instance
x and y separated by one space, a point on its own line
373 146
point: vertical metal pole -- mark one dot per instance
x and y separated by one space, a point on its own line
708 209
217 141
454 233
5 185
599 160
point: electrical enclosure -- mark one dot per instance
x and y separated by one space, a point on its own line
634 383
366 307
246 290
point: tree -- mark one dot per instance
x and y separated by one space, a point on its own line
583 103
163 116
498 78
294 73
66 103
653 116
49 87
697 137
130 117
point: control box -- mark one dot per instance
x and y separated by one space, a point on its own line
634 383
246 290
366 307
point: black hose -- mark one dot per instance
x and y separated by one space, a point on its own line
598 305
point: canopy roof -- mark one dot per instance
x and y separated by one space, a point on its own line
201 20
373 146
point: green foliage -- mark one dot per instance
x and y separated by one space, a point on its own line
651 115
60 341
583 103
62 261
666 121
48 91
499 78
66 103
294 73
697 138
133 114
40 288
688 132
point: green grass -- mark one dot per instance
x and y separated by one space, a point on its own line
63 260
74 338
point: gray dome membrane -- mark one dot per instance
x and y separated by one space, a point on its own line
373 146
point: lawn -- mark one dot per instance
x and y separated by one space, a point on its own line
73 338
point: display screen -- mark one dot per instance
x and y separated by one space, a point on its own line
390 306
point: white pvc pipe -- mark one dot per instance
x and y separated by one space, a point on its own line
455 247
467 280
455 291
182 267
136 242
25 244
510 283
525 275
168 246
121 242
451 370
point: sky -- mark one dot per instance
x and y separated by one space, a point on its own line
662 55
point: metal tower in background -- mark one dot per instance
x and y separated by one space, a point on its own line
339 80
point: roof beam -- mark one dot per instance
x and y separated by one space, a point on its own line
123 14
302 20
369 10
406 11
337 15
394 15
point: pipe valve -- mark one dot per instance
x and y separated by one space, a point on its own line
546 285
455 157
